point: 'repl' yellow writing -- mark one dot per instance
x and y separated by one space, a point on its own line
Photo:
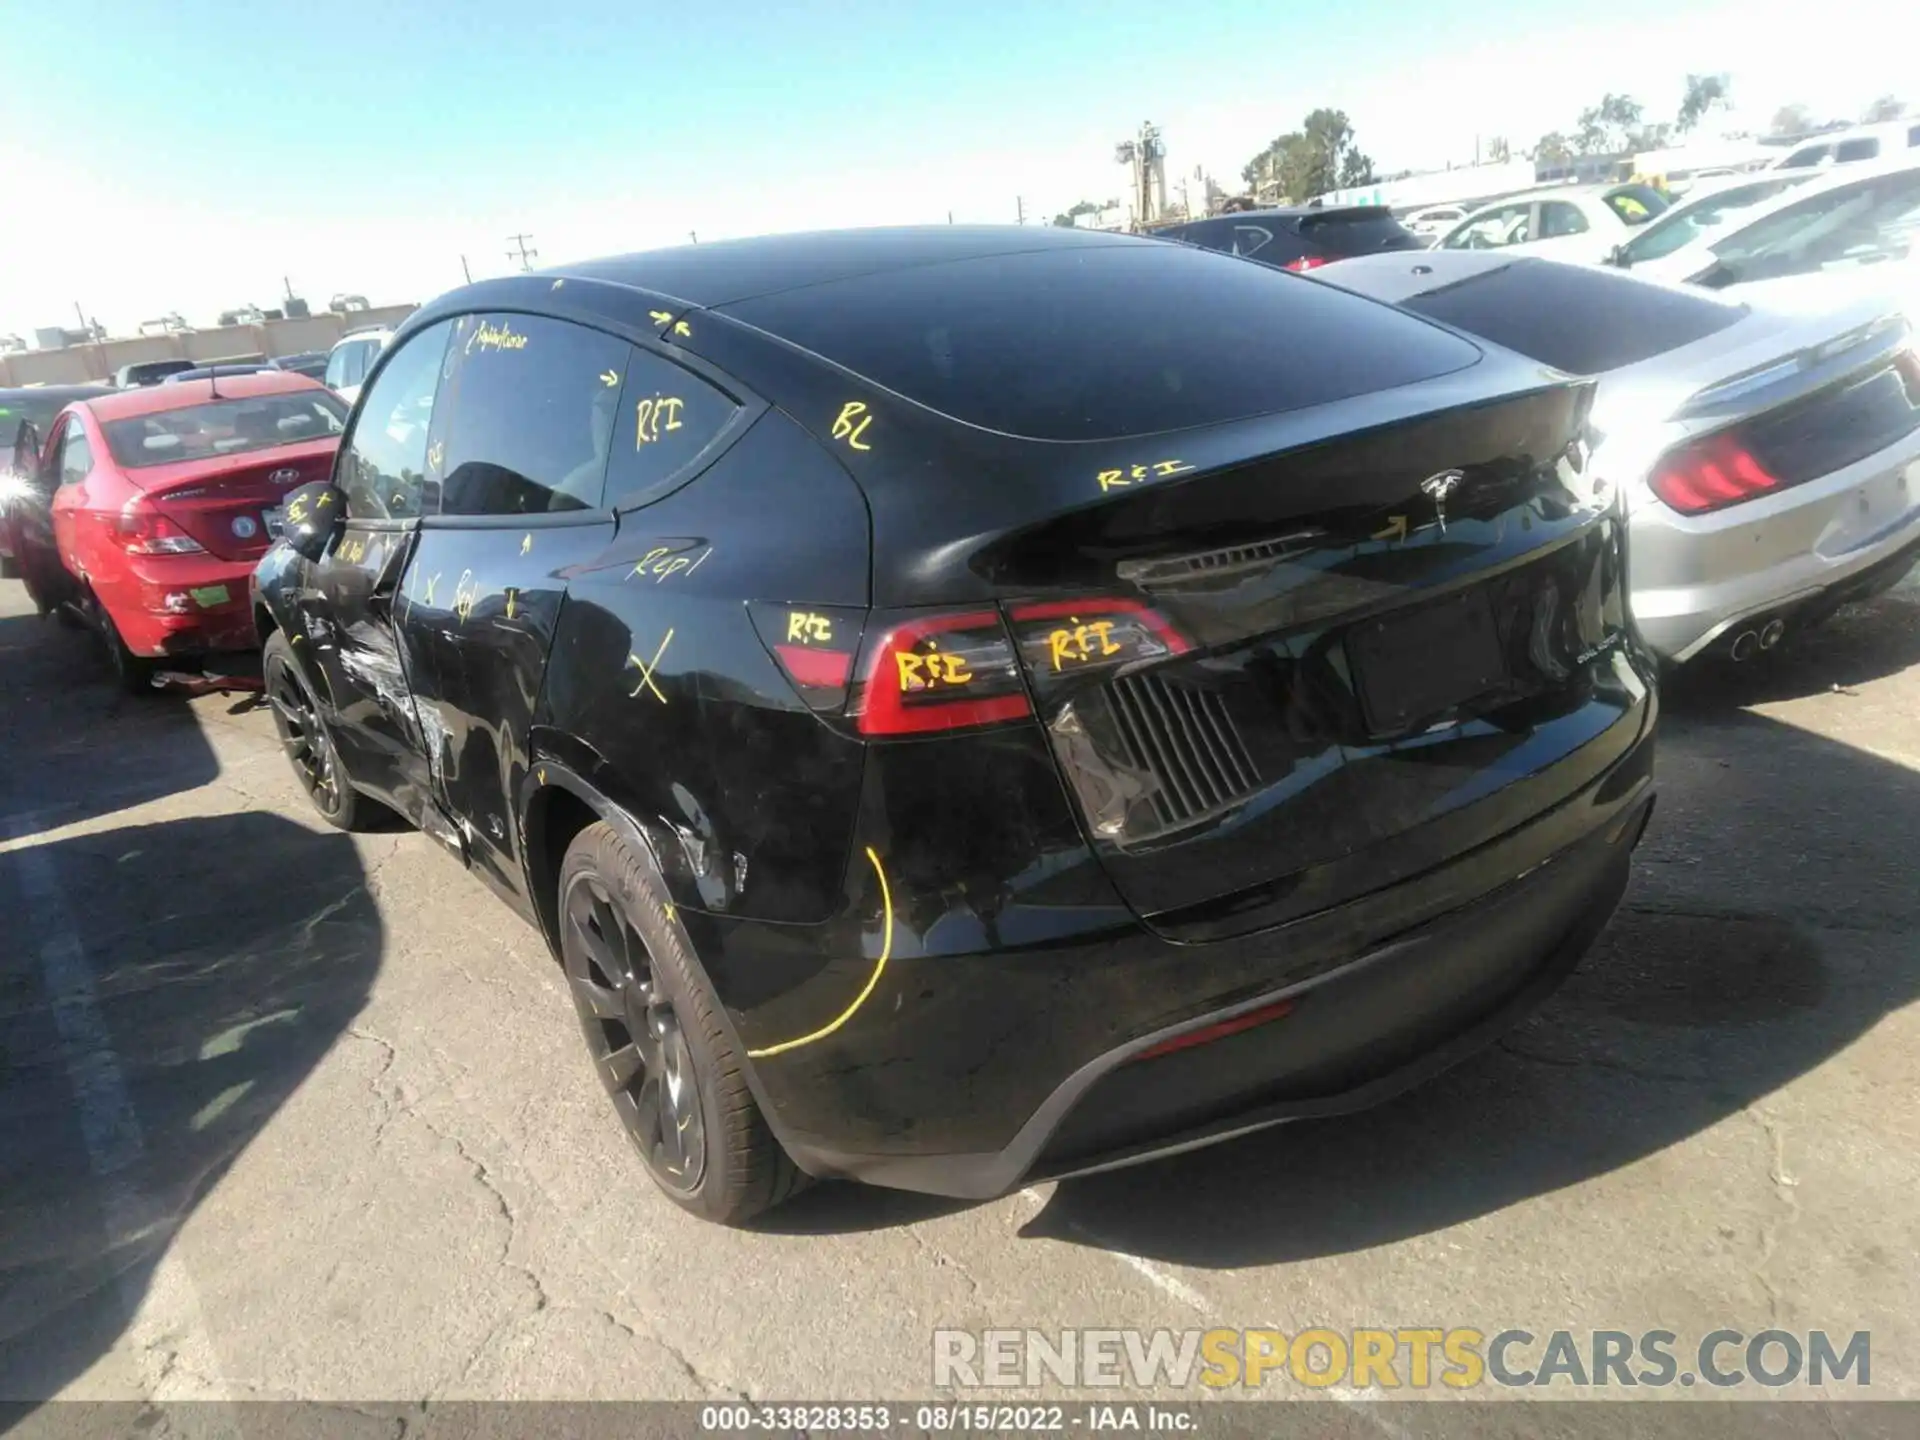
662 564
1133 475
495 337
852 423
1081 643
929 672
466 594
809 629
654 415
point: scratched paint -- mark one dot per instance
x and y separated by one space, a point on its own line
873 980
1138 474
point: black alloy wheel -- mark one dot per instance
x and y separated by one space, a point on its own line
303 735
634 1035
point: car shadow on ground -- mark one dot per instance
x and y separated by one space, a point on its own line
1862 643
73 746
1736 964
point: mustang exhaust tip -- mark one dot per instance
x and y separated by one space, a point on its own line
1771 635
1744 645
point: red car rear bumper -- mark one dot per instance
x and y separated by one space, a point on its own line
181 606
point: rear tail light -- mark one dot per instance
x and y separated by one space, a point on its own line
1908 364
1710 474
1071 637
142 530
1305 262
938 672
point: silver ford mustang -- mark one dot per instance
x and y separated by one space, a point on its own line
1769 458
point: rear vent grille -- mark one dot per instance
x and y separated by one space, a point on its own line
1227 560
1188 741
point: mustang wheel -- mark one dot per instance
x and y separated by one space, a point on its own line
653 1031
303 735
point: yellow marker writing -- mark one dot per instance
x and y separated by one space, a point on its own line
880 965
652 416
426 595
680 328
808 628
647 669
609 379
512 595
326 499
435 455
660 317
852 423
495 337
526 542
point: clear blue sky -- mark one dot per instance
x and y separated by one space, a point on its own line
209 147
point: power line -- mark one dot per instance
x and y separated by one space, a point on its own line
520 251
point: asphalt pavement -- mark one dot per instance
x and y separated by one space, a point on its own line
290 1114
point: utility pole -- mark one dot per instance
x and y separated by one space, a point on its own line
465 271
1019 210
521 253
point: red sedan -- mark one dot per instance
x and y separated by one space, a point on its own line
164 498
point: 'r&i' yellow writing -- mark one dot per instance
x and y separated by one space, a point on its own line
927 672
1117 479
1075 646
808 629
661 412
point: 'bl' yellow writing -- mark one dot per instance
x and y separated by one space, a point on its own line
1076 646
852 423
661 412
927 672
807 628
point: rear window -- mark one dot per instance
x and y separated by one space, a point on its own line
1100 343
1636 204
224 427
1361 233
1580 320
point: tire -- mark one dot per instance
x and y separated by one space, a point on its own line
307 741
133 673
630 974
9 568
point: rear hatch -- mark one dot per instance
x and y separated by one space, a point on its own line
1306 592
230 504
1338 234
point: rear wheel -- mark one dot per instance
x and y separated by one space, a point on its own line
653 1030
133 673
304 736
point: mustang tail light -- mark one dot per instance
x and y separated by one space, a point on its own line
142 530
939 672
1710 474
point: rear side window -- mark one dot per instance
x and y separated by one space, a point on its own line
531 406
668 419
1102 342
1580 320
1848 150
1493 229
76 456
1251 239
1362 233
1558 218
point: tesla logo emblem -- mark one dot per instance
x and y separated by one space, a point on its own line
1439 487
283 477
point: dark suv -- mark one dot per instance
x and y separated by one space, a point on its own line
1300 237
973 704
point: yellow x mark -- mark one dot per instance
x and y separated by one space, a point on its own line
647 669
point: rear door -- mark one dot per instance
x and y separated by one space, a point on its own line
347 598
534 408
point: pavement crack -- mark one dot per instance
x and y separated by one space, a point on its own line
1594 1062
944 1261
1783 1185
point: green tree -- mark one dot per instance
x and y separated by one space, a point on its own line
1703 93
1608 126
1887 107
1318 157
1074 211
1553 148
1792 120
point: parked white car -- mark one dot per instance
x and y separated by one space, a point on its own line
1850 227
1435 220
351 358
1580 224
1862 144
1663 249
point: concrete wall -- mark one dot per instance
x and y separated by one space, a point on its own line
80 364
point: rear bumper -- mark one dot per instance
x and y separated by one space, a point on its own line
1371 1013
175 607
1696 579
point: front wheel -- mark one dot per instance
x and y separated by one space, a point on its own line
304 736
653 1030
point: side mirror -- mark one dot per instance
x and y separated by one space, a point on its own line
314 515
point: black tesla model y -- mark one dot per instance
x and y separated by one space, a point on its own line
973 705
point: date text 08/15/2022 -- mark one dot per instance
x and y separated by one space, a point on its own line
948 1419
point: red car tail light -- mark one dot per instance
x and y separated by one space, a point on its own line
938 672
1710 474
142 530
1069 637
1305 262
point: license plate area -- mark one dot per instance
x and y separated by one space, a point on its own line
1417 664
